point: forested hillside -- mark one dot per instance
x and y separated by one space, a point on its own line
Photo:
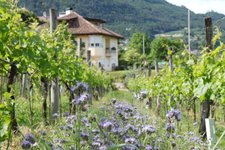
127 16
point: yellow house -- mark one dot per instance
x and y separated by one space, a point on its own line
95 43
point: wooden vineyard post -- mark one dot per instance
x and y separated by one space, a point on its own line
156 66
149 70
24 85
55 82
171 62
205 105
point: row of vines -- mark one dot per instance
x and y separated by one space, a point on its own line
28 54
192 80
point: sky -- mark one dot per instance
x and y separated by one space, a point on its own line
201 6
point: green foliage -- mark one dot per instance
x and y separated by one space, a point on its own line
136 43
161 47
201 77
39 54
4 122
132 56
135 53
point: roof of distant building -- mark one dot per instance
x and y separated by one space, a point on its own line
85 25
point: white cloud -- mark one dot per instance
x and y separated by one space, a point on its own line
201 6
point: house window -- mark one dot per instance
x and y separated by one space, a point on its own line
97 44
92 44
113 49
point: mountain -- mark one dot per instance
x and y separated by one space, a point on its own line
128 16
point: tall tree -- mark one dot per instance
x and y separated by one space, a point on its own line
138 45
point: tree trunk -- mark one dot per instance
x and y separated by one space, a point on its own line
44 82
71 97
31 102
171 63
205 110
156 67
149 70
11 78
150 102
1 87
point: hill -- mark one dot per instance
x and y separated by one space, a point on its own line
128 16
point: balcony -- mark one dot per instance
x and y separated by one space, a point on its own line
109 52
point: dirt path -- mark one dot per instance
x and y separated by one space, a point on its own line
120 86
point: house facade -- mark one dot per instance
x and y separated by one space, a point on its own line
95 43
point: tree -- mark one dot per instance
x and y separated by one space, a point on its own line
160 47
136 49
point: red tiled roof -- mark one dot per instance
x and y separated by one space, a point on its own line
84 27
68 17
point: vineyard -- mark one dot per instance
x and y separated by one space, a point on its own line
52 99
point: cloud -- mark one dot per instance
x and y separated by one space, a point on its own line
201 6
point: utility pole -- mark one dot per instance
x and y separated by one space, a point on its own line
144 63
189 33
143 40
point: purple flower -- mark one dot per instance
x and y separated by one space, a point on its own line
131 127
143 94
85 122
96 144
195 139
66 114
149 147
148 129
174 113
70 119
26 144
177 114
103 147
131 140
138 117
84 136
106 125
170 127
82 86
170 114
82 100
57 140
30 137
95 132
167 134
72 88
116 130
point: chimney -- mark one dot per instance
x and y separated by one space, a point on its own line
69 11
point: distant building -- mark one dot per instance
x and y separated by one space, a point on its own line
95 43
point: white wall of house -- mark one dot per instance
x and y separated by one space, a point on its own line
97 45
